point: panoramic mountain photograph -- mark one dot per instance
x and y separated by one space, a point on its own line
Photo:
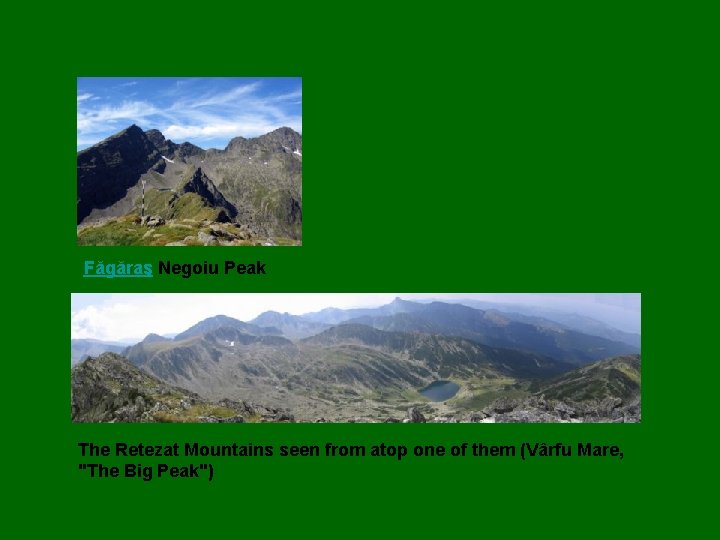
189 161
355 358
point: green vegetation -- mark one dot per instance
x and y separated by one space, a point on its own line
479 392
185 220
254 418
116 232
483 399
156 202
194 413
127 231
168 205
192 206
619 377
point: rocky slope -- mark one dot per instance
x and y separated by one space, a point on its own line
355 372
107 170
531 410
612 378
343 371
254 183
110 389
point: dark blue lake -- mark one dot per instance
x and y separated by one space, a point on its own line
440 390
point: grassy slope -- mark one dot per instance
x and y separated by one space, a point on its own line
126 230
614 377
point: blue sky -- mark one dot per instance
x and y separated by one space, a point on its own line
207 112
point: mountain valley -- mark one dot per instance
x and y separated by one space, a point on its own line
377 366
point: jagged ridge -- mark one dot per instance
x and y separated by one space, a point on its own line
256 183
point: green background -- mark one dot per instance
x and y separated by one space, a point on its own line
447 149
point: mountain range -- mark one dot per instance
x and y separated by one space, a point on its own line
379 363
249 193
85 348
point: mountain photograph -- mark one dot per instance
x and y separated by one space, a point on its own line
233 178
349 358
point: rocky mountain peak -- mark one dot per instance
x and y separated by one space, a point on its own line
154 338
199 183
255 183
133 130
283 139
158 139
107 170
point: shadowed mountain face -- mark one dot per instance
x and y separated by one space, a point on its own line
170 149
199 183
107 170
255 183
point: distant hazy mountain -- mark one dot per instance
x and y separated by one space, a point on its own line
553 320
495 329
154 338
333 315
571 321
222 321
83 348
291 326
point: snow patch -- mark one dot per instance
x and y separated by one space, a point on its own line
168 160
296 151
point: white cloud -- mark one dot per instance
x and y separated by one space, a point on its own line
129 317
97 119
248 128
222 98
204 116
